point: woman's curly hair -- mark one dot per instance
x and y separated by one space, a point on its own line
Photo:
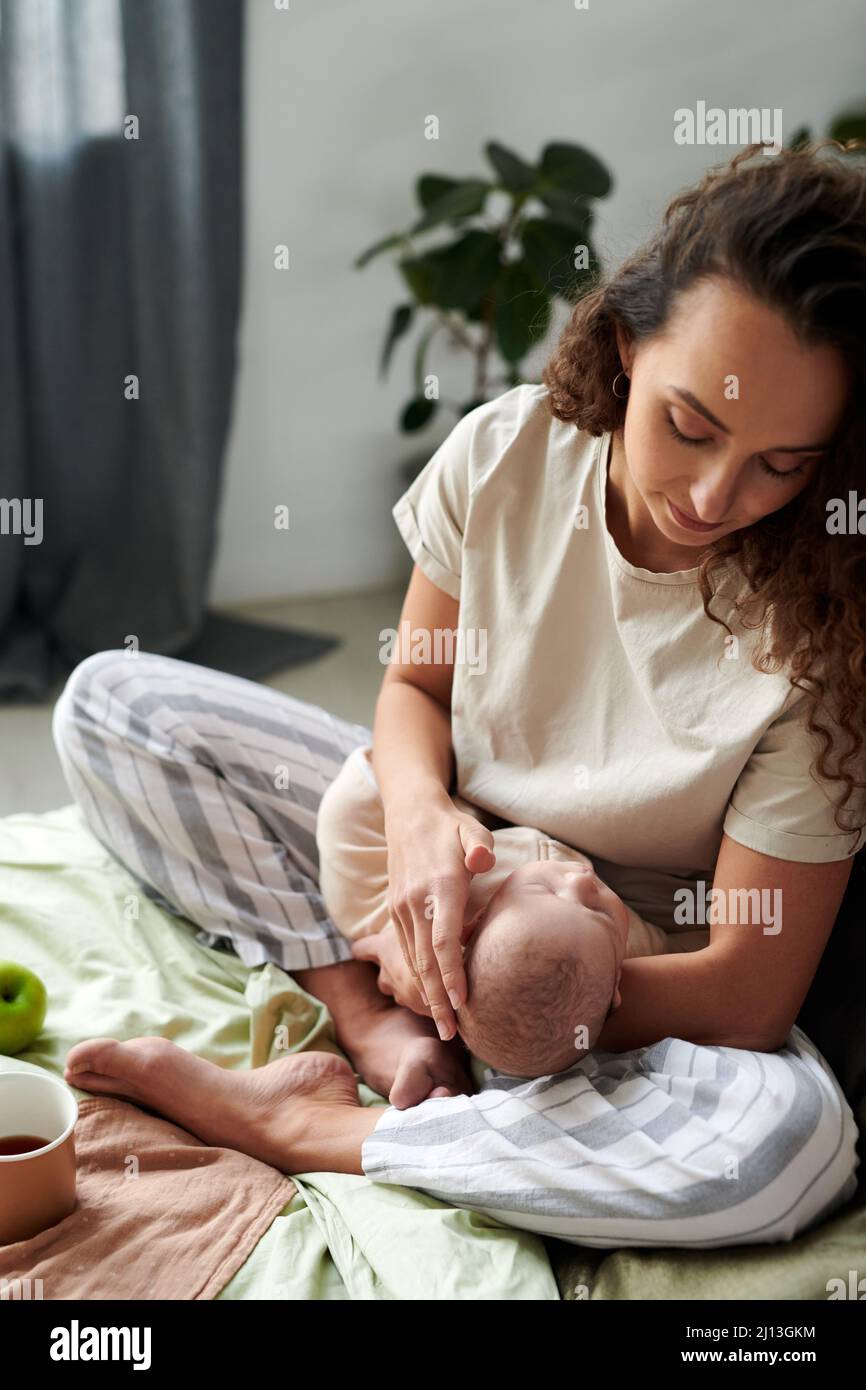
790 230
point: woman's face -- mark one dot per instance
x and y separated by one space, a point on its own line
727 415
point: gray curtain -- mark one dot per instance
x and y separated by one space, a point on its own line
119 299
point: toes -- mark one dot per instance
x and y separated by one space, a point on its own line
123 1061
93 1081
94 1055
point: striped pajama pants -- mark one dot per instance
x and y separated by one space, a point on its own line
176 769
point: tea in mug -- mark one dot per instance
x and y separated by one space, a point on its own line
21 1144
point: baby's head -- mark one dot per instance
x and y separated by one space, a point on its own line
542 968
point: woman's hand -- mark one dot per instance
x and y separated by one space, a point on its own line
396 977
432 856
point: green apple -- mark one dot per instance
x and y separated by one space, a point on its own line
23 1003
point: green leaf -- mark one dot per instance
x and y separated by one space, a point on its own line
417 413
465 199
514 173
422 276
432 186
573 169
799 138
549 249
571 209
476 313
852 127
401 319
455 276
522 312
421 355
378 247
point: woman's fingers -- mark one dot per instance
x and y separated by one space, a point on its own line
408 988
408 960
394 979
427 913
479 847
404 930
439 954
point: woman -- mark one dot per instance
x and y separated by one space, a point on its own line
672 681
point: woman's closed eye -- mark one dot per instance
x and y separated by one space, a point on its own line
697 443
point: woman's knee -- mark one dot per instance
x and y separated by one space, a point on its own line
81 677
75 703
806 1166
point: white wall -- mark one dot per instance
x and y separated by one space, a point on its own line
337 92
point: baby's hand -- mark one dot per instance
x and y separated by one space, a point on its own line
429 1068
396 978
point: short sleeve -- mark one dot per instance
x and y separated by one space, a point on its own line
431 514
779 807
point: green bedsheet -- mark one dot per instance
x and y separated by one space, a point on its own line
64 911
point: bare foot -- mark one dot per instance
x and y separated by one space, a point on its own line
400 1056
247 1110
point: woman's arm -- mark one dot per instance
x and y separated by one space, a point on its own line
434 847
746 988
412 754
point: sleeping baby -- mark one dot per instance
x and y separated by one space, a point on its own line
548 937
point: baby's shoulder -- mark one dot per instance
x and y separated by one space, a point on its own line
350 804
523 844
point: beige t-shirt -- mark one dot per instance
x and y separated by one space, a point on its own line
591 698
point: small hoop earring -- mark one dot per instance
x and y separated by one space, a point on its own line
613 387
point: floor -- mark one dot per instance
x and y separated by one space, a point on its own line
345 681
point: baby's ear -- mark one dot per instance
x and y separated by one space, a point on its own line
470 924
616 1001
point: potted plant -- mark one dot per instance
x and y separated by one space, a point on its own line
489 286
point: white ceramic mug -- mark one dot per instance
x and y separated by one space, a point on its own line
37 1188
